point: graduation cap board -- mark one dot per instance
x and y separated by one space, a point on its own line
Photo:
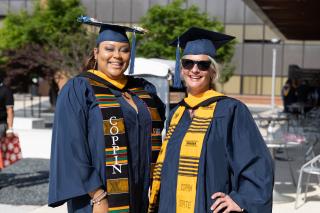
114 32
197 41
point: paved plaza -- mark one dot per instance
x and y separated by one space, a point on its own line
24 185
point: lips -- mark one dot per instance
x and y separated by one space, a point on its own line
116 64
195 78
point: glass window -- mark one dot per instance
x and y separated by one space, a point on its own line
237 59
235 30
270 34
312 42
297 42
201 4
251 17
268 59
139 9
250 85
90 6
104 10
252 59
292 55
3 7
253 32
122 11
30 6
16 6
267 86
235 11
230 87
160 2
215 8
311 56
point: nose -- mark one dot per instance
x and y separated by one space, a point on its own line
116 53
195 69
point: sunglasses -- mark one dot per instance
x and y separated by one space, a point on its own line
189 64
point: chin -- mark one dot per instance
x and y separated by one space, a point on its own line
115 73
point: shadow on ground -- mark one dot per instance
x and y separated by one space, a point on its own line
25 182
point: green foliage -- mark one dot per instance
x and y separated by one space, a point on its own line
166 23
50 33
45 26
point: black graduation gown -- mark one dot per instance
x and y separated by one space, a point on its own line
77 152
234 160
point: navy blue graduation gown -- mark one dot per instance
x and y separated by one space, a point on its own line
77 164
234 160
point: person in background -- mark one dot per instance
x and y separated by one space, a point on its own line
214 158
106 132
289 94
61 77
6 109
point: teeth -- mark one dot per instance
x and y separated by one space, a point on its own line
195 77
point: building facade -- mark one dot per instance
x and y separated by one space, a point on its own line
253 56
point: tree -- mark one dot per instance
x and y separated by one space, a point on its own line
166 23
52 27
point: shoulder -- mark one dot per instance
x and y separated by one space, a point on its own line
76 85
76 89
231 107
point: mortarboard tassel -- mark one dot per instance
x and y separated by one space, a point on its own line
133 53
177 80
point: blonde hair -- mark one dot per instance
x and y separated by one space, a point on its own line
214 66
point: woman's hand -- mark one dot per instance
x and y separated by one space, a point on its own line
102 207
224 202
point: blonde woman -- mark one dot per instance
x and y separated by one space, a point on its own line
213 158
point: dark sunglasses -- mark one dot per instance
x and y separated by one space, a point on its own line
189 64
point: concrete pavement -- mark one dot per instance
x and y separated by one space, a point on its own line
35 143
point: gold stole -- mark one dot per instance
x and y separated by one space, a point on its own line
190 152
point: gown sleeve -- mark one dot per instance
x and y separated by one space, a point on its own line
77 138
251 163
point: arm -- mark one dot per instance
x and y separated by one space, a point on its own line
9 101
77 147
102 206
10 115
250 163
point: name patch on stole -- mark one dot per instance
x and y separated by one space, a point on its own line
113 131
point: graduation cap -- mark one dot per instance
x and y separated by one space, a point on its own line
197 41
114 32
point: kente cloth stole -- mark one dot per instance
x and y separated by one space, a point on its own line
116 142
189 155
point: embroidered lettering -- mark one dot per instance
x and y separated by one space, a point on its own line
191 143
113 118
186 187
114 130
116 168
116 159
185 204
114 139
115 149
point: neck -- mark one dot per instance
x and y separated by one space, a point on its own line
119 82
196 92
